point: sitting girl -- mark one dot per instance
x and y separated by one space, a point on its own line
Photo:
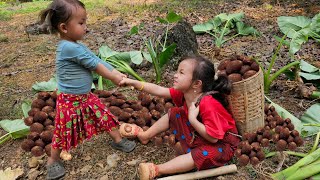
204 128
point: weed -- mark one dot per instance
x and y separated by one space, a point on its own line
3 38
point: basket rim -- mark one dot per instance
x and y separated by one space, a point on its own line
248 79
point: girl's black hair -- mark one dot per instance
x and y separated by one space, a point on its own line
204 71
59 11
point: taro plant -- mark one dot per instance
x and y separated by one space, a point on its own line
267 76
120 61
158 52
299 29
223 25
15 128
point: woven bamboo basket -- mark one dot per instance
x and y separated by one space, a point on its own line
246 103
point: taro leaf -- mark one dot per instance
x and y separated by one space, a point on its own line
310 76
236 17
106 52
288 23
15 128
315 24
202 28
147 56
279 39
311 116
297 40
173 17
285 114
136 57
26 107
122 56
166 54
304 66
50 85
133 30
245 30
161 20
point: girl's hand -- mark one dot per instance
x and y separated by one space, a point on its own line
124 82
193 112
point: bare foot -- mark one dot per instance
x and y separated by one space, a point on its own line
142 137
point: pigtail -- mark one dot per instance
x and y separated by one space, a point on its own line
222 85
46 20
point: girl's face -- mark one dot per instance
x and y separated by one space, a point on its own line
76 27
183 77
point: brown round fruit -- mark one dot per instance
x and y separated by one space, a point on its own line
38 103
28 121
254 161
235 77
243 160
27 144
36 127
249 74
292 146
40 117
33 136
281 145
244 69
234 66
47 149
40 143
46 136
37 151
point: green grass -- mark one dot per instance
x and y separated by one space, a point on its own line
7 10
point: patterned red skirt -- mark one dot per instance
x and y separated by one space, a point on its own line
205 154
78 118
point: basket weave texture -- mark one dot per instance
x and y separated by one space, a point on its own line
246 103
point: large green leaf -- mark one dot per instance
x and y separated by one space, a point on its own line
173 17
304 66
285 114
227 17
15 128
166 54
50 85
315 23
311 116
26 107
297 40
202 28
106 52
310 76
136 57
147 56
290 25
245 30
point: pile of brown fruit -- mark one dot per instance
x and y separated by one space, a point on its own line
278 134
41 122
237 68
144 112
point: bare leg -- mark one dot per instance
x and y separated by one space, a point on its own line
55 156
161 125
115 135
182 163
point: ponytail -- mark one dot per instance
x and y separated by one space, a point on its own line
59 11
204 71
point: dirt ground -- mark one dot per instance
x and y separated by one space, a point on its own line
27 59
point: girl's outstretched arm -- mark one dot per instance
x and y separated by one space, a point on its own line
151 88
115 76
198 126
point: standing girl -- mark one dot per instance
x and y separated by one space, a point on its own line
202 126
79 113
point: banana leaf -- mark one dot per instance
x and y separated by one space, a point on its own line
15 128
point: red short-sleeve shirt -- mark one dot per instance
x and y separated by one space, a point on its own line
214 116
